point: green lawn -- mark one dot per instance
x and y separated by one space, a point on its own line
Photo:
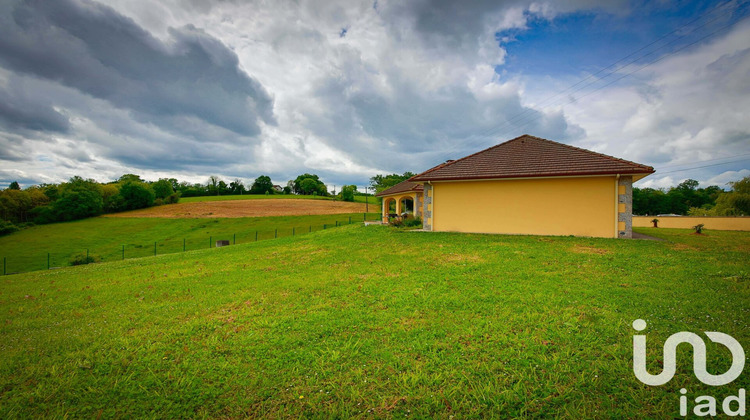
104 237
373 322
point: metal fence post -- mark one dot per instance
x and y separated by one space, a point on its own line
210 238
364 217
183 244
234 239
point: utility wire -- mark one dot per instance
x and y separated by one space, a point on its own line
494 130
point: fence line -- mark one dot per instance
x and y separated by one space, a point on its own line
167 246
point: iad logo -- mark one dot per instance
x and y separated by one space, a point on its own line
705 405
699 357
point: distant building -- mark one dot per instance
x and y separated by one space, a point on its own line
278 188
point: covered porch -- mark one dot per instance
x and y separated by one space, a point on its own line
402 200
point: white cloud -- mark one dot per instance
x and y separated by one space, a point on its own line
409 84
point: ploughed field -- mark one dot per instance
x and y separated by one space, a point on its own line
247 208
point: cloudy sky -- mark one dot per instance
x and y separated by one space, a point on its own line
348 89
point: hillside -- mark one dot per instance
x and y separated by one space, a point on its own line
115 238
246 208
369 321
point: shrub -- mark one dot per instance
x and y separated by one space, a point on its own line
7 227
172 198
158 202
396 222
415 222
698 228
655 222
81 258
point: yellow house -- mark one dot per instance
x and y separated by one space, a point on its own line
527 185
400 198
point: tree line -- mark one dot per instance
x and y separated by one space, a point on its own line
687 199
81 198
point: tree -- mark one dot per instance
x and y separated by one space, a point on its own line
735 202
137 195
162 188
213 185
262 185
237 187
383 182
308 186
347 192
130 178
79 199
223 188
314 186
14 186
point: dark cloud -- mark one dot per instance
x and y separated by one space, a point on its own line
22 112
92 48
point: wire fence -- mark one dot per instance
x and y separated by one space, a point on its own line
82 255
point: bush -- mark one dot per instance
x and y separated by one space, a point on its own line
698 228
415 222
81 259
158 202
172 198
7 227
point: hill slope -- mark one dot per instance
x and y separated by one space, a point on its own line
369 320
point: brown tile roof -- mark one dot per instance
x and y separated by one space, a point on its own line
529 156
401 187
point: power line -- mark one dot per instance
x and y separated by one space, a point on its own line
704 166
703 161
513 119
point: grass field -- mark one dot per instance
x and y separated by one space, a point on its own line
105 237
372 322
246 208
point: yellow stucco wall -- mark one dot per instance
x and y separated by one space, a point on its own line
583 206
687 222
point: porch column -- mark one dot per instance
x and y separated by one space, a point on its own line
398 205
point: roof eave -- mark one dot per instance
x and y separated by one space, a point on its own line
635 173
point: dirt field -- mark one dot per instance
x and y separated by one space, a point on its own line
247 208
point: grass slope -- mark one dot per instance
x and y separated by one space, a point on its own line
372 322
104 237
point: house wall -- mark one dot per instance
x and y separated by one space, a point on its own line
583 206
687 222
